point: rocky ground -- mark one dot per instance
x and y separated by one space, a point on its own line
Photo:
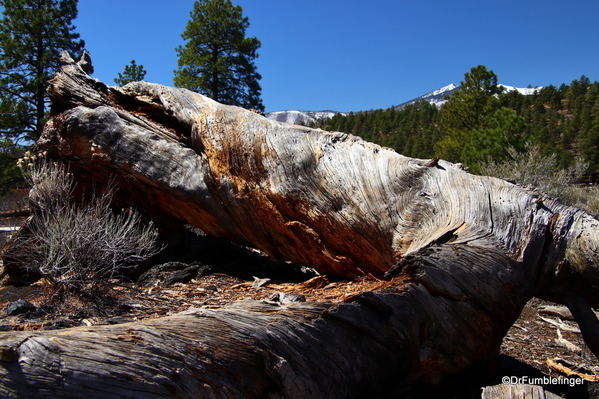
215 273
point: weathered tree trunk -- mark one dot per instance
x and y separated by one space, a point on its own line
462 253
520 391
377 346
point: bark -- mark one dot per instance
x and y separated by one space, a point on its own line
520 391
377 346
462 254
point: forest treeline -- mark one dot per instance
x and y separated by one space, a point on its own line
559 120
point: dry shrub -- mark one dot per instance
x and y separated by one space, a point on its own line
77 247
539 172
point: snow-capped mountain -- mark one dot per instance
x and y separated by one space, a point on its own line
524 91
436 97
300 116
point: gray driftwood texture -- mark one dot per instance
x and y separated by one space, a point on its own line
462 253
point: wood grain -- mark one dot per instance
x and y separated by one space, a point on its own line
462 254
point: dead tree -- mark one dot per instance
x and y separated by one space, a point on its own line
461 253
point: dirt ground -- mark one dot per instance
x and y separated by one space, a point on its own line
237 273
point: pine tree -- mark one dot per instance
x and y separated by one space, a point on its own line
10 174
590 134
132 73
32 35
476 125
217 59
474 101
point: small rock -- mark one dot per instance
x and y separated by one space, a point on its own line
287 299
181 276
204 270
169 273
260 282
20 306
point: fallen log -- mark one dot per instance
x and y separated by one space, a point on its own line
517 391
379 345
462 254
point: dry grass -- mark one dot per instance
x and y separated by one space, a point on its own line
536 171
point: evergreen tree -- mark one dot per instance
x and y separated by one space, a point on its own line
473 102
32 35
217 59
493 138
476 125
411 131
590 133
10 174
562 123
132 73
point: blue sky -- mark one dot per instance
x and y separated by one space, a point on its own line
353 55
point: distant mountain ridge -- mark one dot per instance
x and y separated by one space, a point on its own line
436 97
296 117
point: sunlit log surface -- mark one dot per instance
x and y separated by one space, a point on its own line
462 254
